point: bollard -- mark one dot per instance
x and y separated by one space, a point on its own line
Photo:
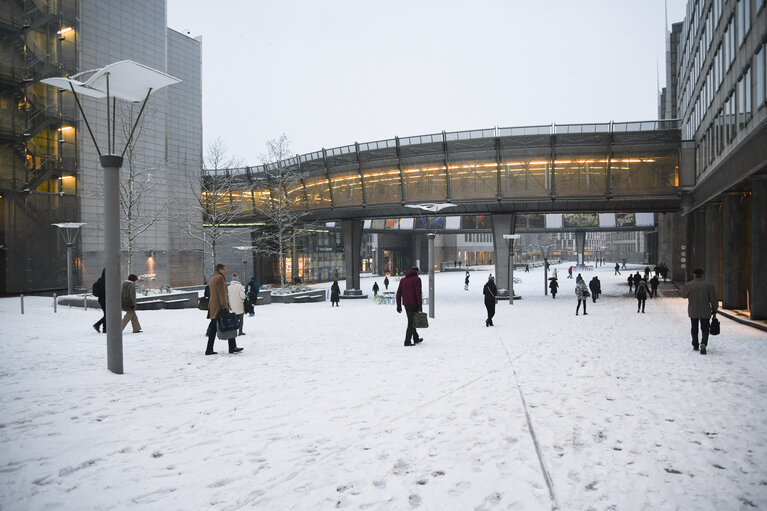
85 302
22 303
54 303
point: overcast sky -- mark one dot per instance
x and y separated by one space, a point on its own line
332 72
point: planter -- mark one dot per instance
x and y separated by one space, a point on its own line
303 297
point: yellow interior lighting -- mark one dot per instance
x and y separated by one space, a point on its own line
65 30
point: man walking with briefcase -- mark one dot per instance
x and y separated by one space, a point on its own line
218 305
409 295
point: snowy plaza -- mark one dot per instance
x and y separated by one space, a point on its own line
325 408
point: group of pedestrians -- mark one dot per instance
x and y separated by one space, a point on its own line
127 302
643 287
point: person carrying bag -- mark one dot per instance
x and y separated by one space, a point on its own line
219 308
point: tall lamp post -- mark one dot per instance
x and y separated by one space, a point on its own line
68 231
132 82
433 208
510 238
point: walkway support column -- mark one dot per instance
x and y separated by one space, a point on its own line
111 165
678 241
736 258
758 248
502 224
352 231
580 244
698 250
713 265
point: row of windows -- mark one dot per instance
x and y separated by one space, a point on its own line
736 111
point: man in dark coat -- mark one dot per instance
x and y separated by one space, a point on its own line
335 294
553 285
386 283
702 305
596 288
409 295
490 292
654 286
375 288
218 304
100 292
617 269
128 302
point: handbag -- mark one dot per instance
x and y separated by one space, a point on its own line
421 320
714 330
202 303
227 325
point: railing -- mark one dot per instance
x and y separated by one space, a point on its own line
548 129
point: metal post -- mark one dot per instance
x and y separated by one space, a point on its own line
431 237
511 272
54 303
22 302
111 165
545 276
69 268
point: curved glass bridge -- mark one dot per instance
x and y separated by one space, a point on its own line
627 166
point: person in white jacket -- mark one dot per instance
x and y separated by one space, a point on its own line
237 300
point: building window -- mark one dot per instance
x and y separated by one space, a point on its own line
744 19
759 69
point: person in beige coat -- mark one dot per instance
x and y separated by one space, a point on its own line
128 302
237 300
702 305
218 304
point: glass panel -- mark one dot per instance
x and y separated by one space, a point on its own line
382 186
347 189
425 183
644 173
318 192
468 222
472 180
580 176
525 178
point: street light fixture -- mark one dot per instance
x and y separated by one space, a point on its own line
68 231
510 238
133 82
432 207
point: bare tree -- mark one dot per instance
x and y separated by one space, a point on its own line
138 211
219 197
278 199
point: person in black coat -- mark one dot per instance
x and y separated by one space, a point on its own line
654 286
375 288
335 294
100 292
490 292
554 285
386 283
631 283
641 294
596 287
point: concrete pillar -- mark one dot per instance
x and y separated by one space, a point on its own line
665 245
759 248
679 244
697 252
418 253
580 244
502 224
736 255
713 267
352 232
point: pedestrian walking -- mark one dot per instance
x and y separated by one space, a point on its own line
553 286
335 294
654 282
237 296
386 283
582 292
100 292
217 305
596 288
630 280
251 290
641 295
375 288
702 304
466 281
409 295
491 292
128 302
570 272
617 269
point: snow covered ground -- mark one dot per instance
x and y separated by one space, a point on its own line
325 408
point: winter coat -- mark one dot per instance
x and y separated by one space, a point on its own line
375 288
386 282
409 290
99 288
490 291
236 295
553 285
702 302
251 290
128 296
581 290
219 298
335 292
594 286
641 292
630 280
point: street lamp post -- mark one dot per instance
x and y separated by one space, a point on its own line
68 231
431 207
132 82
511 238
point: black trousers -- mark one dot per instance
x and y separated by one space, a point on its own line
103 320
705 325
640 304
490 306
212 329
579 306
411 333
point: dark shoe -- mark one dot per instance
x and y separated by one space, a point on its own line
236 350
240 333
487 322
702 349
418 341
585 313
408 343
695 348
211 353
97 328
137 331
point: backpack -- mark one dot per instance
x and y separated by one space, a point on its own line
98 288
